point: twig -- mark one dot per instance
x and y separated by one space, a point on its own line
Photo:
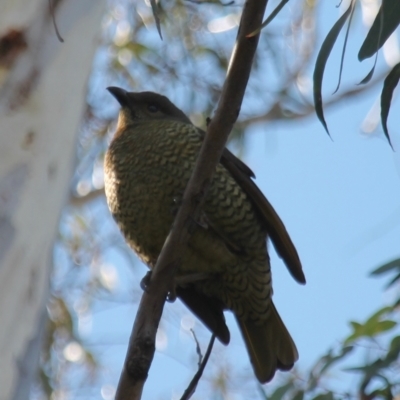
142 342
278 111
198 349
193 383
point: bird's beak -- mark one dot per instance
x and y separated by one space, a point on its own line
121 95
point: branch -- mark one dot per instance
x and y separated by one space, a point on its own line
277 112
142 342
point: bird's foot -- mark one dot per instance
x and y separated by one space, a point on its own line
171 295
178 281
145 282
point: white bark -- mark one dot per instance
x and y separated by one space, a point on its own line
42 97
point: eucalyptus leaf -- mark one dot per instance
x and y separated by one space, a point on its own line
386 21
320 64
389 85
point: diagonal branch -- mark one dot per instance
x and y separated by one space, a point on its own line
142 342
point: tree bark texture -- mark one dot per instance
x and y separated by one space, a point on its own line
42 98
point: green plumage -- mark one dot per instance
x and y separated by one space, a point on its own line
147 167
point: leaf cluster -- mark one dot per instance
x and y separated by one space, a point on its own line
386 22
377 338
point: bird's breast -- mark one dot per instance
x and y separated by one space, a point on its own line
145 177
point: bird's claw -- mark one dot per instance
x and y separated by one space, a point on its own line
178 281
171 295
145 282
183 281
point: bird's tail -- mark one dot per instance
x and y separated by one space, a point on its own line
269 345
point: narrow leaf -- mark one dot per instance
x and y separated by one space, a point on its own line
395 264
389 85
386 21
393 281
370 73
394 349
299 395
376 316
154 8
322 58
325 396
344 46
274 13
371 327
279 393
333 359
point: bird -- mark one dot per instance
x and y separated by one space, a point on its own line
225 265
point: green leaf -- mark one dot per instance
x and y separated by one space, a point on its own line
394 349
386 21
344 48
374 368
395 264
281 391
355 325
372 327
154 8
396 303
322 59
389 85
299 395
370 73
325 396
385 393
375 317
383 326
333 359
323 364
393 280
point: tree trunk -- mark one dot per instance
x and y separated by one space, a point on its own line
42 97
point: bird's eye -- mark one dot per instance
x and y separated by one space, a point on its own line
153 108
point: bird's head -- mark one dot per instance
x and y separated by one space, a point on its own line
140 106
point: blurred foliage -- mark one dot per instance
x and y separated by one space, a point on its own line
378 338
188 66
385 23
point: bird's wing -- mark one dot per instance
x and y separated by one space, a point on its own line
209 310
275 227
